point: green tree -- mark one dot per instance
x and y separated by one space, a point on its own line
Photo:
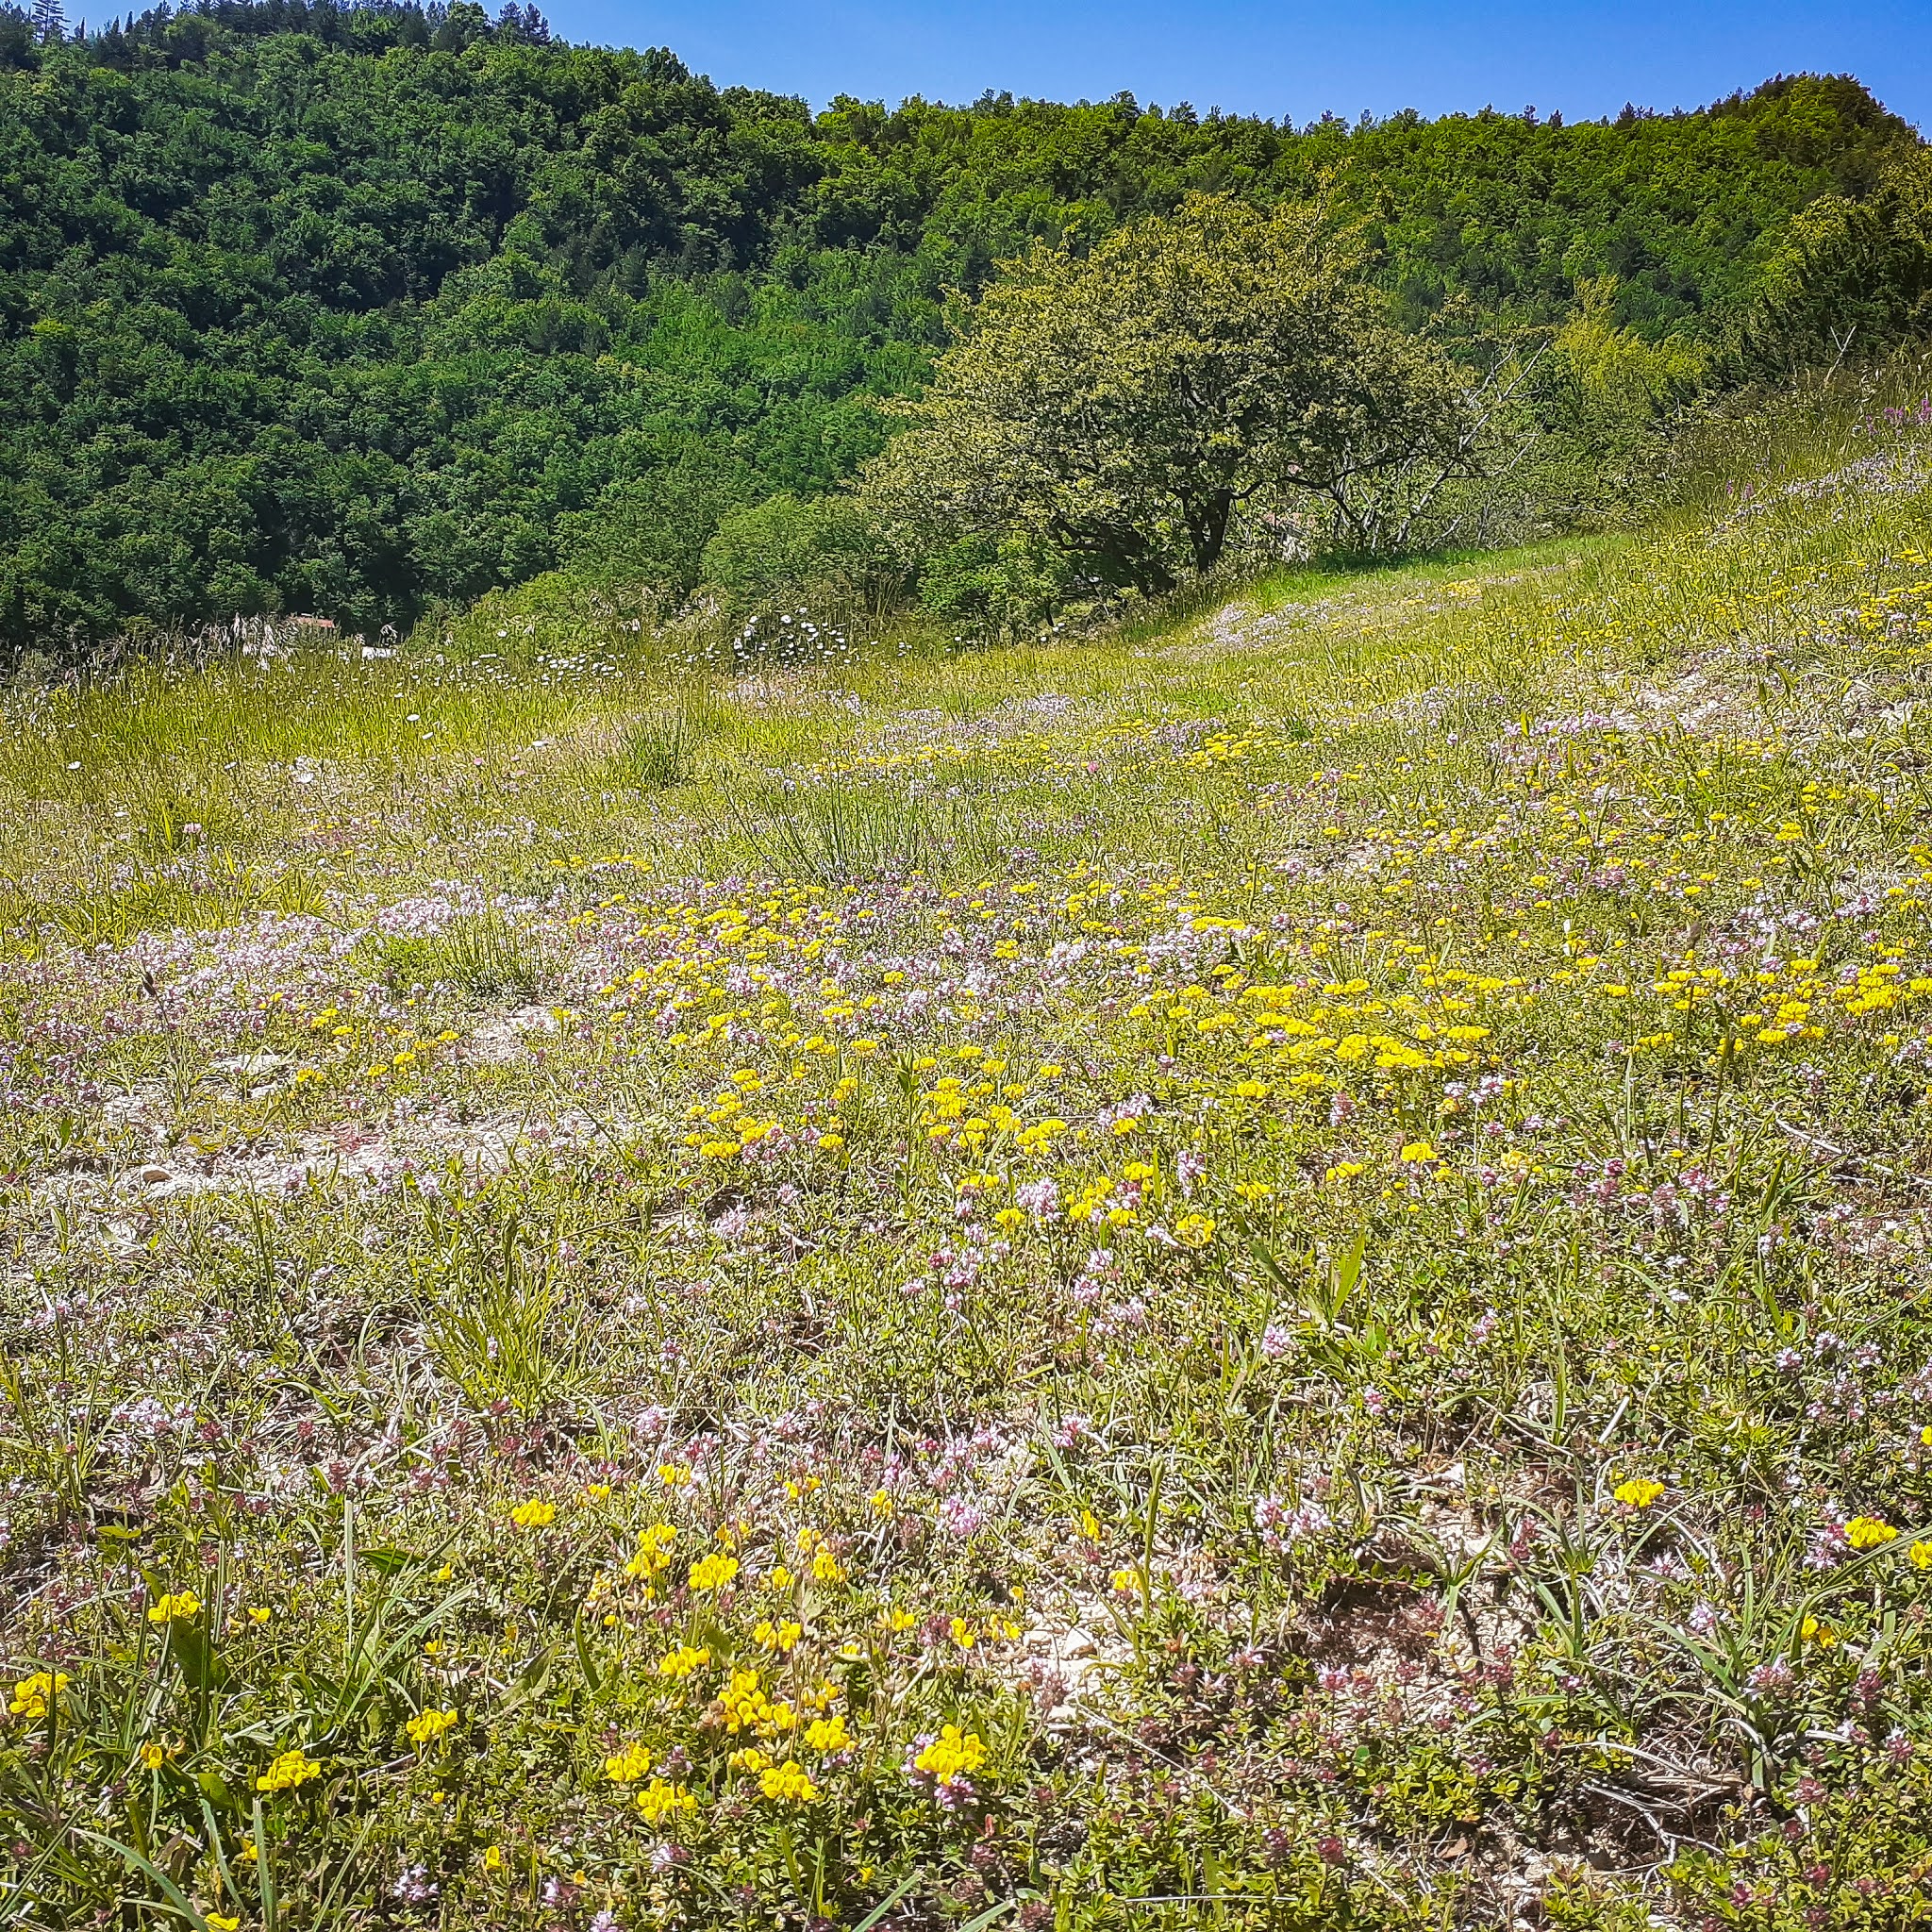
1850 277
1129 403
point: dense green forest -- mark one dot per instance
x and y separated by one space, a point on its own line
353 311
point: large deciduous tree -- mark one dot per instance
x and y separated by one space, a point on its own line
1126 404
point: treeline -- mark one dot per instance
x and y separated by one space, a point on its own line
354 309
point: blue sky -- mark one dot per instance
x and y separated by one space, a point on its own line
1287 57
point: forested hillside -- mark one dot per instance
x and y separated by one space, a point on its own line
351 310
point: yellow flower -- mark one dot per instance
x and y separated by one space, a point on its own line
1869 1533
713 1571
659 1800
428 1726
597 1492
221 1921
493 1857
749 1759
781 1578
32 1695
828 1734
177 1603
1812 1631
654 1549
896 1620
628 1765
1195 1230
258 1614
787 1784
779 1637
827 1568
1089 1525
290 1769
881 1502
153 1755
951 1753
1125 1583
534 1515
1344 1170
964 1635
682 1661
1639 1492
745 1706
1921 1554
1419 1152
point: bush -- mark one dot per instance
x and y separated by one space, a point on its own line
652 529
1011 584
824 550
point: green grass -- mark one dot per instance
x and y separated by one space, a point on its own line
1307 1222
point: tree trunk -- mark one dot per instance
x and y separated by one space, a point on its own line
1119 553
1207 520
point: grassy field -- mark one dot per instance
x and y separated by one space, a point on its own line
1263 1273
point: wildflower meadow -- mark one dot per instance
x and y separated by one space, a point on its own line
1260 1270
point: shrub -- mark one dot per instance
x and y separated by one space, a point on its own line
791 549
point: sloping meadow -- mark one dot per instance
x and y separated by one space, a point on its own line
1269 1272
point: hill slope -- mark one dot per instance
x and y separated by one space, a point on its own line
1282 1262
351 310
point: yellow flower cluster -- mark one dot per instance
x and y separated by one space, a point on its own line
660 1800
628 1766
428 1726
952 1755
534 1515
747 1708
1869 1533
290 1769
32 1696
176 1602
786 1784
682 1661
653 1555
713 1571
1639 1492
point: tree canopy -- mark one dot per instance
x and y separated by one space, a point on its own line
351 309
1123 404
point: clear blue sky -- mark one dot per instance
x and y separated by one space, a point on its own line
1285 57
